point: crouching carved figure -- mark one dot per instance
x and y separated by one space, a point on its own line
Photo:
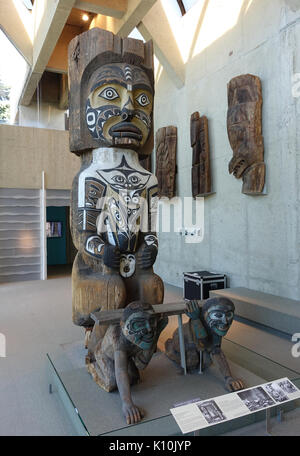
203 337
115 360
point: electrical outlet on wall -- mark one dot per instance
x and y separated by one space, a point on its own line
192 234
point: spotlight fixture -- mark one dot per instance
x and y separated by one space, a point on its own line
85 17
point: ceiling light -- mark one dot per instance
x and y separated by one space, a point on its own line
85 17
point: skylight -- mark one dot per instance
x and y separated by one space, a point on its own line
28 4
185 5
12 77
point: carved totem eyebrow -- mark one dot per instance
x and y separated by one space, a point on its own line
130 78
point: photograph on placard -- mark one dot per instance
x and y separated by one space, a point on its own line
256 399
287 386
276 392
211 412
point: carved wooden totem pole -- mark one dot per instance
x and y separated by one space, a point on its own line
166 145
201 177
114 198
244 125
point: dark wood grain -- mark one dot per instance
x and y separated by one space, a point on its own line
113 317
244 126
166 146
201 175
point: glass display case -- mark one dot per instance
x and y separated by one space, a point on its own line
96 412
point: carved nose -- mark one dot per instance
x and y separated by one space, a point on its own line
147 328
126 115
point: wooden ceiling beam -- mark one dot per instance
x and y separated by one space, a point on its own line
113 8
53 20
136 11
155 26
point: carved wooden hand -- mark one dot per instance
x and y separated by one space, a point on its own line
233 384
112 256
147 256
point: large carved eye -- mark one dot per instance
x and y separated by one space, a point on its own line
134 180
216 315
138 325
109 93
119 179
143 99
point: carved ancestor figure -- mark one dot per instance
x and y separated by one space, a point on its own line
244 125
166 145
125 349
201 176
203 337
114 198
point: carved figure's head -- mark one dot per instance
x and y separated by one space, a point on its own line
127 265
119 106
244 123
139 324
111 81
218 314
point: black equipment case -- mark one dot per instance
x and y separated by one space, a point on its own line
197 285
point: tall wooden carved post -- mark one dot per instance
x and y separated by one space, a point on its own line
166 145
201 177
244 125
113 197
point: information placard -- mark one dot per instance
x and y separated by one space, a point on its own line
198 415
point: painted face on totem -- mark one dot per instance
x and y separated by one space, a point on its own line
219 318
244 127
140 328
119 106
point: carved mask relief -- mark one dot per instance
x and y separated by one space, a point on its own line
127 265
219 318
244 125
140 329
119 106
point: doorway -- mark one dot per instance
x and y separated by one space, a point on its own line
61 251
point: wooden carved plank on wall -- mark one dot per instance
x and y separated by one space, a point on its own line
244 126
201 176
166 145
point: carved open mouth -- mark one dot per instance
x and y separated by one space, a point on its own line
222 327
237 167
125 130
147 337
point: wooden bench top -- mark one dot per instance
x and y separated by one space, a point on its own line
270 301
277 312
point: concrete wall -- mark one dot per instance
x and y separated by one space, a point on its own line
45 115
254 240
17 23
25 152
